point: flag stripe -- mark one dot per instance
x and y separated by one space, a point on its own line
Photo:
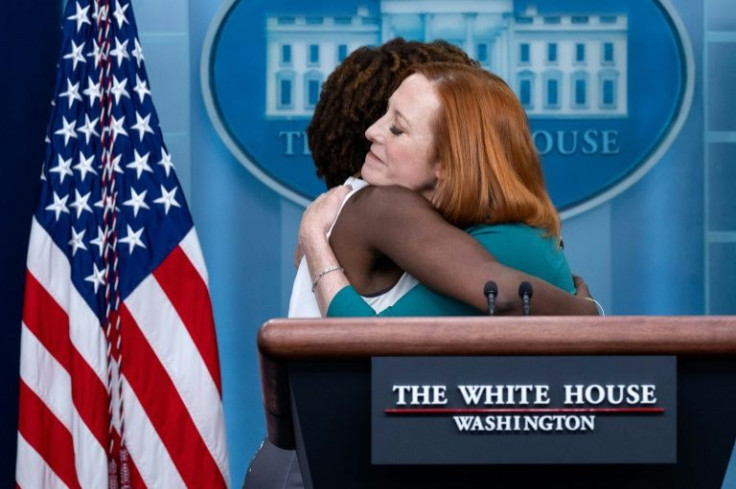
49 323
46 377
152 460
90 456
48 436
160 399
49 264
87 335
135 477
188 294
190 245
50 267
168 337
48 380
32 471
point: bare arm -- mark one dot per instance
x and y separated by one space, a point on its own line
313 243
405 227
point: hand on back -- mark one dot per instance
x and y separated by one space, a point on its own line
319 216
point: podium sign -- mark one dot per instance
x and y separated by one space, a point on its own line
524 410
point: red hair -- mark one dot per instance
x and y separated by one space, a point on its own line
490 171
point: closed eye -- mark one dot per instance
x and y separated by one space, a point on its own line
395 130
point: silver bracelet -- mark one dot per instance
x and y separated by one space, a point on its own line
331 268
598 305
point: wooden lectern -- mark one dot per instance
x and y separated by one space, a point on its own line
316 388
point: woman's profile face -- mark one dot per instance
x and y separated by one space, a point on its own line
402 149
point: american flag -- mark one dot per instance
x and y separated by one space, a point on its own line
115 283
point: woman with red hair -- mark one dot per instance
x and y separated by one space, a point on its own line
456 139
453 144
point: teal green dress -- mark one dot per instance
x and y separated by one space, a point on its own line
517 246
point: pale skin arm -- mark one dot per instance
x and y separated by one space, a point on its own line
403 226
313 243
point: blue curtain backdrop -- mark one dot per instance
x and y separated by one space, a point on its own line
29 40
666 245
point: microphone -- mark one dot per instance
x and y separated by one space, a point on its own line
525 292
491 291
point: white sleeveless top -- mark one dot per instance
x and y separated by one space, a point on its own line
303 303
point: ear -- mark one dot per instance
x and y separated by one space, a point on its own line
438 170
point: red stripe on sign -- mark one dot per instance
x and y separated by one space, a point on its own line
47 320
188 293
47 435
166 411
605 410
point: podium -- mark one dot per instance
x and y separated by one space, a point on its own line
316 380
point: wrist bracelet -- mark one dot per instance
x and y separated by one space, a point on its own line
324 272
598 305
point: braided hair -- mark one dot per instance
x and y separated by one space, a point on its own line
356 95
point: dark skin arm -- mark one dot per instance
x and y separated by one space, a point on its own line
382 231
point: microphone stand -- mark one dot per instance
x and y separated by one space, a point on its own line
491 291
525 292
